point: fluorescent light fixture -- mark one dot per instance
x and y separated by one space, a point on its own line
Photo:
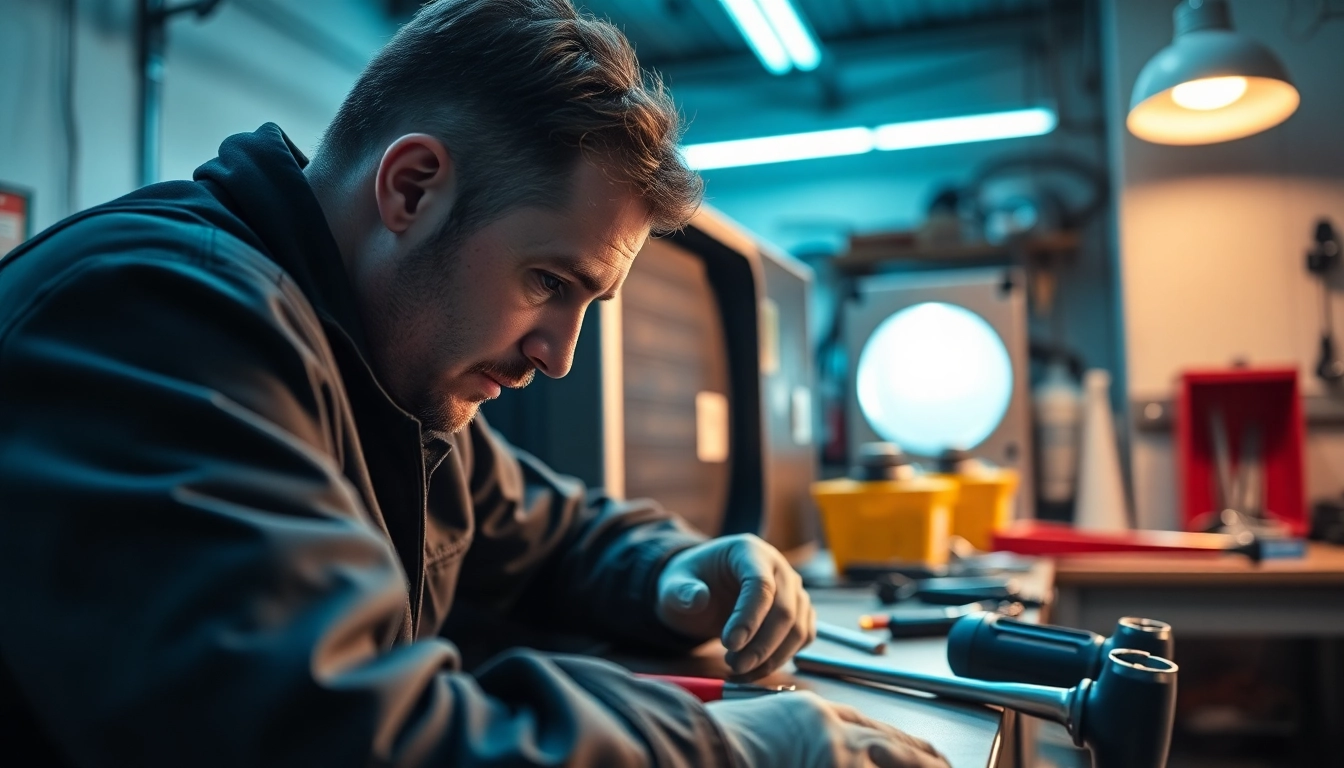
751 22
962 130
857 141
797 40
778 149
776 34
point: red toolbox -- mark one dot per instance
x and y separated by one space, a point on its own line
1262 405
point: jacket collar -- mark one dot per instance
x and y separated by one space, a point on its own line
259 177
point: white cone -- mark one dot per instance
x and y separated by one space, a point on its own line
1101 495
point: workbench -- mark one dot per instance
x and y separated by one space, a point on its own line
1205 596
970 736
1199 595
1224 596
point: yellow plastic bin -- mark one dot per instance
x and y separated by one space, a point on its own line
984 504
884 520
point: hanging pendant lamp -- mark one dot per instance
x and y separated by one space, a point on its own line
1211 84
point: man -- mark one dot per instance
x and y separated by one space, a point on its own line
242 486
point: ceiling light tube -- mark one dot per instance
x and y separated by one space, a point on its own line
963 130
778 149
760 35
798 41
856 141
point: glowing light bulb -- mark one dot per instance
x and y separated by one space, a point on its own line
934 376
1209 93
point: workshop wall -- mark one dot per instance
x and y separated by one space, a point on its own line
235 70
228 73
811 207
1212 238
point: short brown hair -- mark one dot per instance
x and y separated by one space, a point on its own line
519 91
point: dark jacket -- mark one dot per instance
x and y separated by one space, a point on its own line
221 543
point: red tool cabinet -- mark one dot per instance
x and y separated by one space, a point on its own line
1268 398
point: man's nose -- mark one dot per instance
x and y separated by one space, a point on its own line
551 347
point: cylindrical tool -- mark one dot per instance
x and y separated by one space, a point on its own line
852 638
933 621
1124 717
987 646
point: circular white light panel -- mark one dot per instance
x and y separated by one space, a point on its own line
934 376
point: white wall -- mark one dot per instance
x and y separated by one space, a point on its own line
1212 239
228 73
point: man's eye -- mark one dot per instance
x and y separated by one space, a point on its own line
551 282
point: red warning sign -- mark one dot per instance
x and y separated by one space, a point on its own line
15 213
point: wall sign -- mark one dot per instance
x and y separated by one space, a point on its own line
16 215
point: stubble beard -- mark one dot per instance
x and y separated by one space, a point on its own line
450 415
428 275
425 276
453 414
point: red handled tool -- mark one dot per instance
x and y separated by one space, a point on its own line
711 689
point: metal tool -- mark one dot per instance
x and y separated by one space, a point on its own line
960 590
852 638
951 590
1124 716
987 646
1222 459
1241 498
934 621
1251 487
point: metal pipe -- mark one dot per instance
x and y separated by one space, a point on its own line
151 43
1125 716
150 46
1055 704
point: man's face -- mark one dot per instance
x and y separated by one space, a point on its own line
449 328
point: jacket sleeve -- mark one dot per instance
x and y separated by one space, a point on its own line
550 552
186 578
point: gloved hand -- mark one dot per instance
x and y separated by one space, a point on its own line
742 589
802 730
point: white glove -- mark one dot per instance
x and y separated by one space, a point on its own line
744 591
803 730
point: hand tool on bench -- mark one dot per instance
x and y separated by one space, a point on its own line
988 646
1124 716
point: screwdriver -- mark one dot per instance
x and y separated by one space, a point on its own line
933 621
712 689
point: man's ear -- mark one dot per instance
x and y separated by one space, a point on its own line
416 171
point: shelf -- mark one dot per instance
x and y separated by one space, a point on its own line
1158 414
868 252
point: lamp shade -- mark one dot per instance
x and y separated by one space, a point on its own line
1210 84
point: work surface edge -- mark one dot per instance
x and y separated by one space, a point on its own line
1323 566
